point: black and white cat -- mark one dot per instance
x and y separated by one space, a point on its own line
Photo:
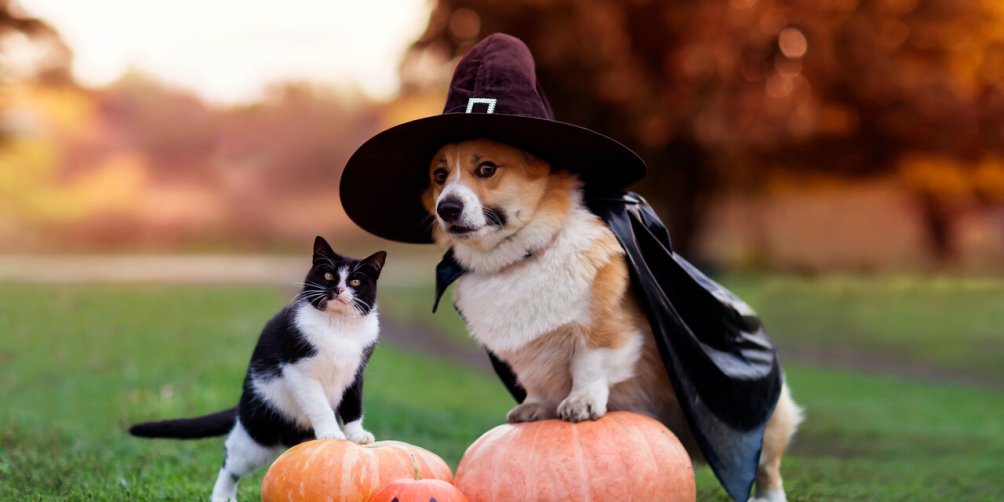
305 378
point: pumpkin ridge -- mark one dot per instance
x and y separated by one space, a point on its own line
537 431
587 495
646 446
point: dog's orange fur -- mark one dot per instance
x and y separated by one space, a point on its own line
612 304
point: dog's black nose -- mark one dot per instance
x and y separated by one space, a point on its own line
449 209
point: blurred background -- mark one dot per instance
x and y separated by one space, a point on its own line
791 135
838 163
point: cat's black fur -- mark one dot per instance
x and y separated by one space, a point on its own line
282 344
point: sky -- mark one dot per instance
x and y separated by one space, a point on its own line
229 51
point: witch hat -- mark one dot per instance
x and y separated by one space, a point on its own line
494 94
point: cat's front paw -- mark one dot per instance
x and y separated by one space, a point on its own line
530 411
326 433
581 407
360 436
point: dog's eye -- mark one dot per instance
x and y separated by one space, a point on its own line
328 276
439 175
354 282
485 170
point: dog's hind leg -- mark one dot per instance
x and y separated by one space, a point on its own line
243 455
780 428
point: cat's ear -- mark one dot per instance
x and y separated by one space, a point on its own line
374 263
322 251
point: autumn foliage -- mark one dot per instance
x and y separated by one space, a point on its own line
727 101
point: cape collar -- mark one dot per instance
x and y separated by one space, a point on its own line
449 270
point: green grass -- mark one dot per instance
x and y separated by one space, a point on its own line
79 363
880 438
950 324
413 304
953 326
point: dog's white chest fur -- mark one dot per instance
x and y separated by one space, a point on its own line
508 309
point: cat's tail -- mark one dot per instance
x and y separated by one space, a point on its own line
214 424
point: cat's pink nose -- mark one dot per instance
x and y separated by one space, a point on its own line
338 291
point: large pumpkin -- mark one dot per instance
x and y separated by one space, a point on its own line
622 456
418 490
342 471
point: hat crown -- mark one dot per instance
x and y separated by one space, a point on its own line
497 76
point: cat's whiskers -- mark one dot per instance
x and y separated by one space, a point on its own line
314 288
298 296
316 298
310 289
315 285
359 306
312 292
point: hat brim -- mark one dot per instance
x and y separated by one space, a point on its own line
383 181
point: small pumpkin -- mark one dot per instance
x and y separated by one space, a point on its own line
335 469
418 490
622 456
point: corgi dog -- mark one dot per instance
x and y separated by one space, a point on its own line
547 290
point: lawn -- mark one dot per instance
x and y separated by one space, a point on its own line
82 362
944 326
952 326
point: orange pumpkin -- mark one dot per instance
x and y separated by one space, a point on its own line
334 469
622 456
418 490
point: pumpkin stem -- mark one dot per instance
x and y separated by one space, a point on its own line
414 464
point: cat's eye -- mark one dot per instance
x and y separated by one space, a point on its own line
354 282
328 276
485 170
439 175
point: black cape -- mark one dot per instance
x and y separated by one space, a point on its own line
722 365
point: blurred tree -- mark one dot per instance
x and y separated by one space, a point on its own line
727 94
30 50
49 60
148 115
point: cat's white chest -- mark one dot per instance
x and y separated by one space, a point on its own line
338 351
339 344
509 309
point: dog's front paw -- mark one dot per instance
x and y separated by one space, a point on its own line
360 436
773 495
581 407
529 412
